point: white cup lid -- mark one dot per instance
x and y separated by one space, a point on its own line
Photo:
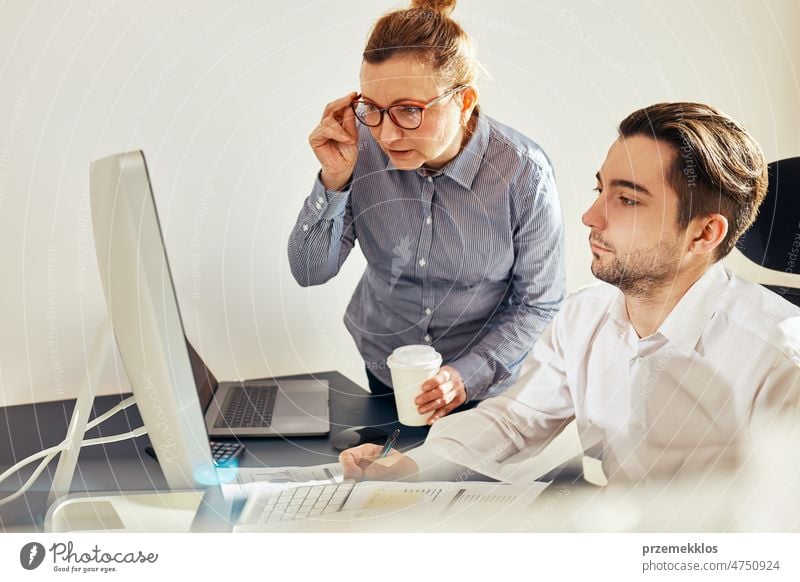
414 355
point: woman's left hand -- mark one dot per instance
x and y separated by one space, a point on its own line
441 394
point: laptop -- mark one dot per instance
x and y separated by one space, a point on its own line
260 408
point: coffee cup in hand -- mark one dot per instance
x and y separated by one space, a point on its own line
410 367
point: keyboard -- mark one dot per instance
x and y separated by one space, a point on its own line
248 407
296 503
225 453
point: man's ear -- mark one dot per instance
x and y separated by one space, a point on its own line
708 233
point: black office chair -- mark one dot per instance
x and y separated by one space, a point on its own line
773 240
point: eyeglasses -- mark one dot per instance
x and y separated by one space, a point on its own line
407 115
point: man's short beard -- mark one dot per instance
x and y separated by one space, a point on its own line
640 273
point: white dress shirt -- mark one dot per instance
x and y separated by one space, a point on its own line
725 361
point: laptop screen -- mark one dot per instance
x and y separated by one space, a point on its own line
203 378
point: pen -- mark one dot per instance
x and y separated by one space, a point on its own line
389 443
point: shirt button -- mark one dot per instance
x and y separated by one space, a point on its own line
427 339
430 178
638 360
428 311
305 227
637 426
320 199
422 262
318 205
428 220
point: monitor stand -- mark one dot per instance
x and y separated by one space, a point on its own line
148 511
68 458
133 512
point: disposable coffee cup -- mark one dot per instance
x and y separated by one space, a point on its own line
410 367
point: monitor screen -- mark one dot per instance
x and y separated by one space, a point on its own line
203 377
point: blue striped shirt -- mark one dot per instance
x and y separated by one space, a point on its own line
468 259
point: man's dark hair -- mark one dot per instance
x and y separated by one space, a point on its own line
718 168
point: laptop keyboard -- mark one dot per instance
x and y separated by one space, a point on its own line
248 407
300 502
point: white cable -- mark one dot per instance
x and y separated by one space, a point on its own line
106 415
62 445
51 451
31 479
137 432
49 455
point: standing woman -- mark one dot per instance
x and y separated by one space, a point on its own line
457 215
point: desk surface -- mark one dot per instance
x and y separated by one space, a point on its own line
124 466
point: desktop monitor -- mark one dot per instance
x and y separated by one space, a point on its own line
145 318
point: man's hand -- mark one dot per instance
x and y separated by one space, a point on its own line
441 394
362 463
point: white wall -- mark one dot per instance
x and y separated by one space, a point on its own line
221 97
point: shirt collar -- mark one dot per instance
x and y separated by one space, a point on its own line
687 320
685 324
464 167
618 312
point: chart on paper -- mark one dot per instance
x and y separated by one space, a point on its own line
444 495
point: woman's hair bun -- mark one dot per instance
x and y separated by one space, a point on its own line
426 31
443 7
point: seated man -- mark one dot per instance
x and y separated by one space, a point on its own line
671 362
